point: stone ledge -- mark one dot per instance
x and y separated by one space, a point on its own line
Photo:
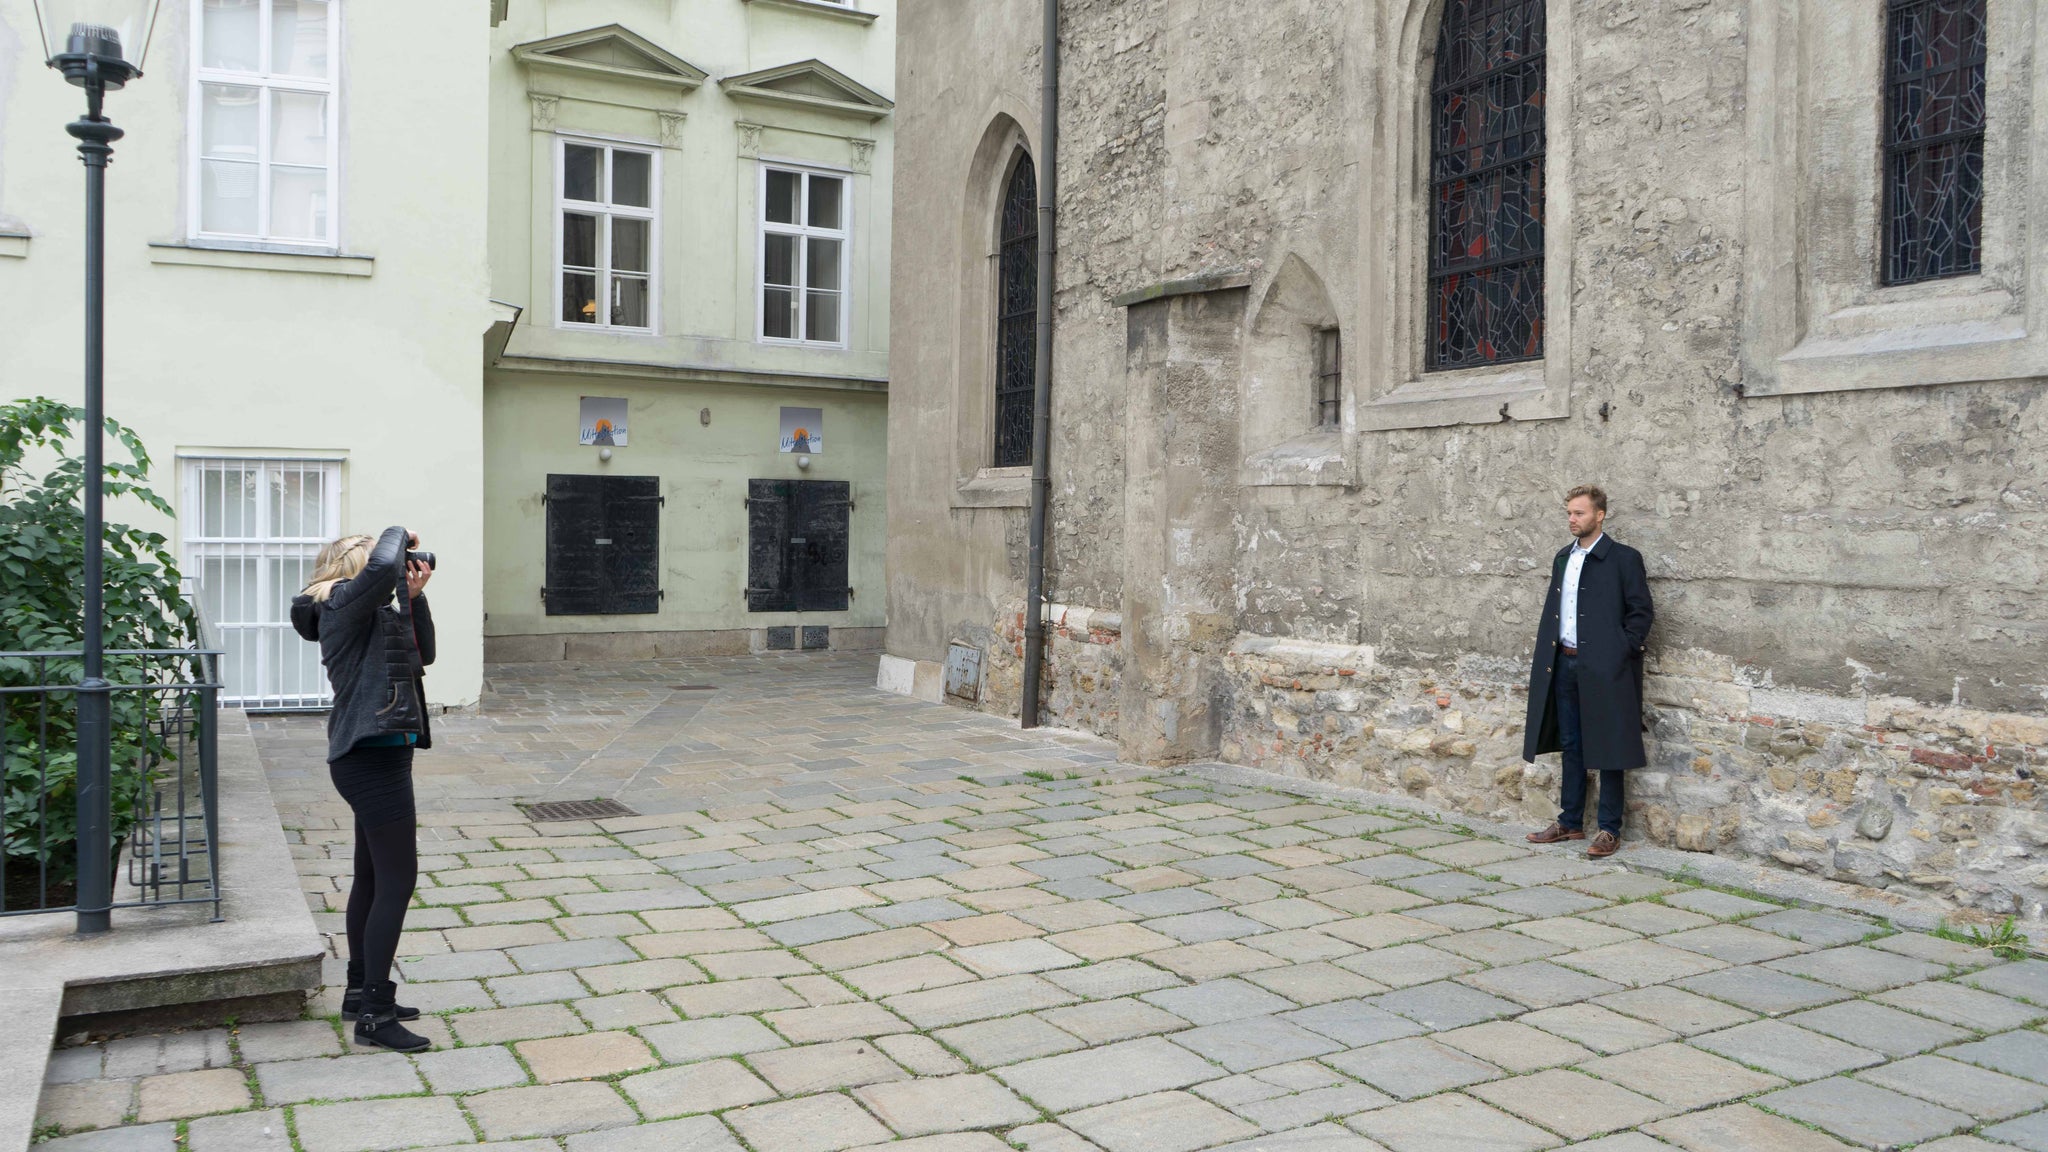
318 263
1222 281
820 8
162 957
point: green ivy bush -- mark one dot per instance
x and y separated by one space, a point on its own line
42 609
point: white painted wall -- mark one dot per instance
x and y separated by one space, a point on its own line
279 355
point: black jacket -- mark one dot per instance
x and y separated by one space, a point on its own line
1615 615
375 651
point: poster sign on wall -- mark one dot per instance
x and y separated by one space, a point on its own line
803 430
603 421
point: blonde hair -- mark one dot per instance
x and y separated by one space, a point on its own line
338 560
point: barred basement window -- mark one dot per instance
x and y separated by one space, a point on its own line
1934 139
1017 317
1486 185
1329 377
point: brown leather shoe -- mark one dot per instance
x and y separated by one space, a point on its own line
1554 833
1604 844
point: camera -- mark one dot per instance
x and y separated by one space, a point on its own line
426 558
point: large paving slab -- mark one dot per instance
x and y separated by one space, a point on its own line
847 920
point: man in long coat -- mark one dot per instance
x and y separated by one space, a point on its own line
1586 679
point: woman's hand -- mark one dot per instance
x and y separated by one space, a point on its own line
412 540
416 577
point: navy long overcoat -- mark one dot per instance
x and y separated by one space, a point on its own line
1614 624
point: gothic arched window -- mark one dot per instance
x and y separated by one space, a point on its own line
1486 185
1933 139
1017 316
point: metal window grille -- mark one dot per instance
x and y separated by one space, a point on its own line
1329 377
251 529
1934 139
1017 317
1486 185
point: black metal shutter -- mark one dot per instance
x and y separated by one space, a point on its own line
818 546
575 573
604 545
769 587
797 545
632 514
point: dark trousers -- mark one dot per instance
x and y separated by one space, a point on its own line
1572 804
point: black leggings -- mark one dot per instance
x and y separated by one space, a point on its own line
377 783
387 866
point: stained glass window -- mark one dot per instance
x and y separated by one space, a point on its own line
1017 317
1486 185
1934 139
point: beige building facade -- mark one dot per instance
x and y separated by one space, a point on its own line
366 261
296 295
1347 296
691 211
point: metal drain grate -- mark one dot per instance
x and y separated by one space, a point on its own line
576 810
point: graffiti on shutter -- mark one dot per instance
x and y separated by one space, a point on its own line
797 545
824 507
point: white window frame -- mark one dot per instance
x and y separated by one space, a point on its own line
803 231
607 210
276 643
196 110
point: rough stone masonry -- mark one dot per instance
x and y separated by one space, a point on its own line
1839 486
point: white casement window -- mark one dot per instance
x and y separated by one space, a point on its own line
251 529
803 257
605 196
262 141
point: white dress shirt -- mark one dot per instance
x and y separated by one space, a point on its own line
1568 612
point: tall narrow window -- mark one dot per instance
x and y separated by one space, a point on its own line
1486 185
262 133
607 197
803 250
1329 377
1934 139
1017 316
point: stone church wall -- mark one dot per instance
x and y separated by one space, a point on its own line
1850 662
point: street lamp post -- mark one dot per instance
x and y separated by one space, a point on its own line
92 51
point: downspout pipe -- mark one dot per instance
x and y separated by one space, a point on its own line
1041 390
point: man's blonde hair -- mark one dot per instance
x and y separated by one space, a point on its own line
1591 492
338 560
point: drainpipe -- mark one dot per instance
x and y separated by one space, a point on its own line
1041 391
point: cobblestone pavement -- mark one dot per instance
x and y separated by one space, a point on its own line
848 919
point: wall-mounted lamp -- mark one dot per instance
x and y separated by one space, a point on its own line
604 454
803 462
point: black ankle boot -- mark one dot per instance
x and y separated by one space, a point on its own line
352 1006
377 1024
352 996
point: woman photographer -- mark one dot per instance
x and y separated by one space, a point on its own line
375 645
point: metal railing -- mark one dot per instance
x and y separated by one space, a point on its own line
165 706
